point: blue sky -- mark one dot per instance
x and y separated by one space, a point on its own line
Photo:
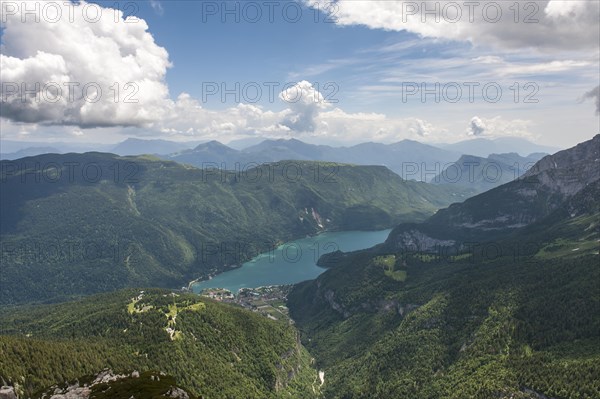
280 51
360 69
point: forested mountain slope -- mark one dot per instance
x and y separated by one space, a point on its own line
75 224
514 314
213 350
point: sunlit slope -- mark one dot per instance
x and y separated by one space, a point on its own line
212 349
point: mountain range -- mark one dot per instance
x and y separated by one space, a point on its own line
493 296
482 174
482 147
75 224
405 158
410 159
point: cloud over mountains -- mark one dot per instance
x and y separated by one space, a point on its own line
81 65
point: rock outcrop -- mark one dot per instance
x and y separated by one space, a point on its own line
7 392
547 186
125 384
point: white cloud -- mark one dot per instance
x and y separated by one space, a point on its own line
304 102
421 128
565 8
313 120
536 69
543 24
186 117
83 73
499 127
476 127
342 127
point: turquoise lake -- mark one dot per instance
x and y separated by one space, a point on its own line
292 262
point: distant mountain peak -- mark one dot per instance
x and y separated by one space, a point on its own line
409 141
544 188
211 144
137 146
482 146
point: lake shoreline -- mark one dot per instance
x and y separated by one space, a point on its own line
275 267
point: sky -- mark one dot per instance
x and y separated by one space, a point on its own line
333 72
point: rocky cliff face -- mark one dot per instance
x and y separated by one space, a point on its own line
544 188
415 240
571 170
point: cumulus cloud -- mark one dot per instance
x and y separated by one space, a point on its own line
476 127
81 69
337 125
186 117
421 128
546 24
304 102
595 95
499 127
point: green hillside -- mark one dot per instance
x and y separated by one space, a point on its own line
426 327
213 350
77 224
516 314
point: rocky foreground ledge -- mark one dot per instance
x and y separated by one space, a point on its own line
107 384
